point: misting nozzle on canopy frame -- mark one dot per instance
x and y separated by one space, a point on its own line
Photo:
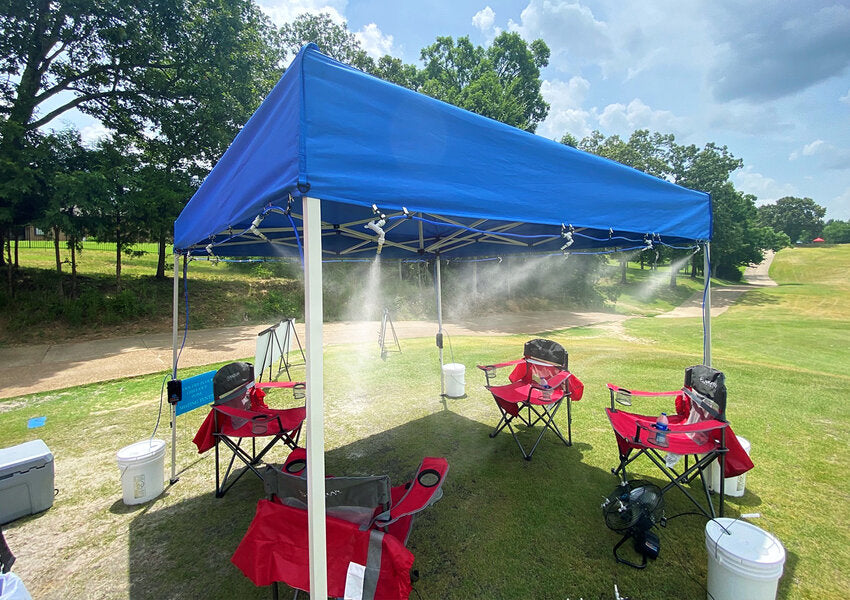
377 226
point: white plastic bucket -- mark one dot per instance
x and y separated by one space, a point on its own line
734 485
142 465
455 378
746 562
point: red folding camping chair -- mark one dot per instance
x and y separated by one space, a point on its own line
538 384
367 523
239 412
698 430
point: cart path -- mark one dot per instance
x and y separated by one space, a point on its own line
44 367
722 297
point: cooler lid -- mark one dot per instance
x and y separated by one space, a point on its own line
28 455
745 541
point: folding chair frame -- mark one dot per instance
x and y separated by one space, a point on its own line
690 471
542 412
534 413
222 484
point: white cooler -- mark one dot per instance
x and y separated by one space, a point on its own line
26 480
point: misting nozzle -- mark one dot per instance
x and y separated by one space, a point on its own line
255 224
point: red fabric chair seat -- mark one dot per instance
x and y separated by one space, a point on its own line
697 430
535 392
364 560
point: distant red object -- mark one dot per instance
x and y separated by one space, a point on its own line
818 239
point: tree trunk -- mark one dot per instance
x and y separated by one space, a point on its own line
74 269
118 260
9 267
623 269
673 271
58 259
2 247
160 261
17 237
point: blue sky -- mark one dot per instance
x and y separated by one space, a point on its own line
769 79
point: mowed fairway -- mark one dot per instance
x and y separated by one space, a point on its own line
505 528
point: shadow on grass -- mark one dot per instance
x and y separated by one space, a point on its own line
757 297
495 504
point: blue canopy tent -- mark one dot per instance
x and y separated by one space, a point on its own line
338 164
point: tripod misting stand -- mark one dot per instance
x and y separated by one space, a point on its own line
382 335
282 346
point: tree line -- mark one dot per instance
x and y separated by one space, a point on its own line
174 80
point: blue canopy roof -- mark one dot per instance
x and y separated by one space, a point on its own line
471 186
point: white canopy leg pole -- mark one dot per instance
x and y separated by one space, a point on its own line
174 326
706 307
440 325
312 212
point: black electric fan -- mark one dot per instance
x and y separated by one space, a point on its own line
633 509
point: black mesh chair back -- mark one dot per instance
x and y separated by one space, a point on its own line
706 388
547 351
355 499
231 382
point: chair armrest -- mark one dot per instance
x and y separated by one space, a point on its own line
623 396
490 370
681 438
422 491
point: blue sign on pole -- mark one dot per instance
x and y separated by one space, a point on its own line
197 391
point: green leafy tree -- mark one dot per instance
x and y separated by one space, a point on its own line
66 190
739 239
120 210
143 68
837 232
501 81
232 57
799 218
333 39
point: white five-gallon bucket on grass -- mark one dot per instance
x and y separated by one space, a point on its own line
746 562
142 465
734 486
455 378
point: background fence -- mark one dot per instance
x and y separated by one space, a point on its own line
88 245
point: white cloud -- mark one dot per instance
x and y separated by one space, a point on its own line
484 18
766 189
93 133
839 206
569 28
829 155
374 42
625 118
845 98
565 113
285 11
809 149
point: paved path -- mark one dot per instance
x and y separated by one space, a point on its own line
45 367
722 297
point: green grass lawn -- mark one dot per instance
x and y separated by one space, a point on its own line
505 528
